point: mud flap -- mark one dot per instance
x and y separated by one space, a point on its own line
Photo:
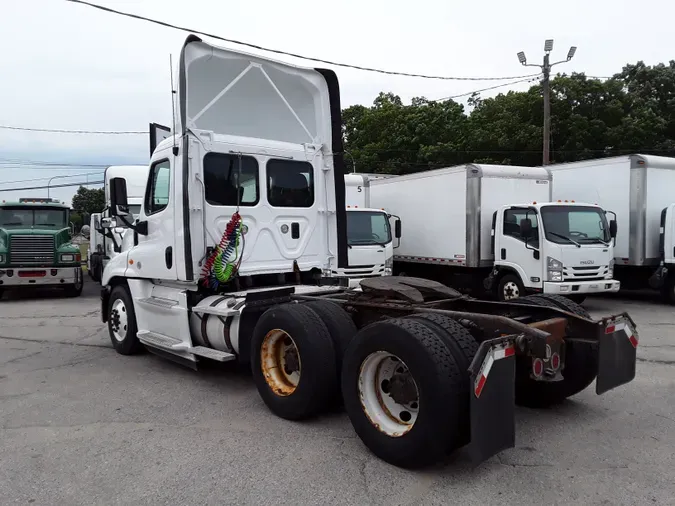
617 353
493 401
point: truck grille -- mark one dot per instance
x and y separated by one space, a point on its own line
594 273
31 249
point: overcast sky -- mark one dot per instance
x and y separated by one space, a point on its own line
69 66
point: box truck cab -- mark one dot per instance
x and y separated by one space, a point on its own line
370 234
106 243
557 248
638 189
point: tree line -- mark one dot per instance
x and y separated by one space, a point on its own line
631 112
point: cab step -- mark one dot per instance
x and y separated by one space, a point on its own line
161 341
159 302
219 356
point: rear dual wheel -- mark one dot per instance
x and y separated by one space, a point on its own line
580 368
405 388
296 356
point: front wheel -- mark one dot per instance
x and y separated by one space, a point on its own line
122 322
510 287
75 289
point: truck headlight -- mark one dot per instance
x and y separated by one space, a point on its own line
610 270
2 259
389 266
67 257
554 269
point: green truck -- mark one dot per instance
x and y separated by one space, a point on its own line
36 248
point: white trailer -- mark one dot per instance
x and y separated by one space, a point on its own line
104 244
638 190
457 218
232 256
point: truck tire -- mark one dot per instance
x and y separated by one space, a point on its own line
293 361
561 302
416 424
122 325
463 347
340 325
75 289
581 366
510 287
579 299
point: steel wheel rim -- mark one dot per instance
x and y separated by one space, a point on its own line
513 287
280 362
119 320
392 416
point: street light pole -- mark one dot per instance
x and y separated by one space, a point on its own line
545 85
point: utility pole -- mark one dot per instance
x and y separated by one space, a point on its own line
546 71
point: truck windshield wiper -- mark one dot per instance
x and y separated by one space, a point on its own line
566 238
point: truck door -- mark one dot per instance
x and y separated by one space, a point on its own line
153 255
511 250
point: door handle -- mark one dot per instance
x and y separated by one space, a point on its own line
168 257
295 230
503 253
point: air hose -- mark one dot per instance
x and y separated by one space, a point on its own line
223 263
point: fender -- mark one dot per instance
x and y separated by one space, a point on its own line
500 270
116 267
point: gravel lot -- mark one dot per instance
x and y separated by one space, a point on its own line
81 424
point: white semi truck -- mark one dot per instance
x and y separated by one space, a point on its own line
236 264
369 232
104 244
493 227
638 189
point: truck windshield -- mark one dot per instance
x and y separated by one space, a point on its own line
26 217
365 227
575 224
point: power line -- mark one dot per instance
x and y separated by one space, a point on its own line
50 177
486 89
62 131
278 51
66 185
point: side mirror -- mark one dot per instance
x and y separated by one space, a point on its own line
526 228
612 229
118 197
397 229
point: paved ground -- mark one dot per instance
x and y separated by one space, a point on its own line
83 425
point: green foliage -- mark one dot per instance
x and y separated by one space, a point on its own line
633 112
88 200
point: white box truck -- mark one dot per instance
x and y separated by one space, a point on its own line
638 190
236 265
464 227
370 234
106 243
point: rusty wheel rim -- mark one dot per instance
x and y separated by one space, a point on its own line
280 362
388 393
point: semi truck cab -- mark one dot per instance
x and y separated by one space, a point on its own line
553 247
36 248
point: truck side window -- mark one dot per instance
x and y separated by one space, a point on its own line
158 196
512 218
290 183
226 184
